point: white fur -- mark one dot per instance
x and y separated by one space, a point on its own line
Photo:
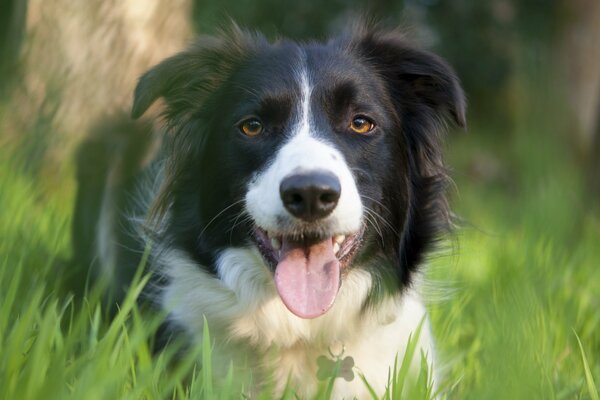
254 329
303 152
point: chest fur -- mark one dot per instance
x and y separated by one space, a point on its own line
254 330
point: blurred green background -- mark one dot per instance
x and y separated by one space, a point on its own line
509 298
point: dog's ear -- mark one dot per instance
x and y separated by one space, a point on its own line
419 81
184 80
163 80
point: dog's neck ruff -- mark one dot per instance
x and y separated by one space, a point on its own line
243 303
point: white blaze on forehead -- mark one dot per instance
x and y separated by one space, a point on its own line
303 152
306 91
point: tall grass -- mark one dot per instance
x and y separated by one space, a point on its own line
515 306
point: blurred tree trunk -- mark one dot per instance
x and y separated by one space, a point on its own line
579 51
80 62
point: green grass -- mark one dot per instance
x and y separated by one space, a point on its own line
515 304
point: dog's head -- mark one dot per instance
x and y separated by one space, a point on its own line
326 157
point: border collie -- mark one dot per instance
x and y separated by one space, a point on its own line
297 189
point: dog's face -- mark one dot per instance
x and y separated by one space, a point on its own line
324 156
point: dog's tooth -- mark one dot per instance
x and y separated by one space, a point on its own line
339 238
275 243
336 248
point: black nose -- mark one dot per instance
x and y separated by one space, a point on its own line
310 196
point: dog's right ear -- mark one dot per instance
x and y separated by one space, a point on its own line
163 80
184 79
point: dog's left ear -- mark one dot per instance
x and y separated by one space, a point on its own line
419 80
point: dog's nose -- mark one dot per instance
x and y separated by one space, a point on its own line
310 196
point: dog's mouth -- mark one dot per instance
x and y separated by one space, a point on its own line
307 268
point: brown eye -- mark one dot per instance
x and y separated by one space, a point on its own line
362 125
251 127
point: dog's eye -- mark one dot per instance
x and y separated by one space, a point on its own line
251 127
362 125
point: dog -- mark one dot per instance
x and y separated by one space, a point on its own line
291 200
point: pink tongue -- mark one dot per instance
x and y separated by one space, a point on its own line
307 277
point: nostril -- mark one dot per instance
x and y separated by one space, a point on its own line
330 197
296 198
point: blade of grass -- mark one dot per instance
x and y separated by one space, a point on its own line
399 380
369 387
207 374
588 373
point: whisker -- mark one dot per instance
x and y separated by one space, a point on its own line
219 214
376 201
237 220
370 218
382 219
